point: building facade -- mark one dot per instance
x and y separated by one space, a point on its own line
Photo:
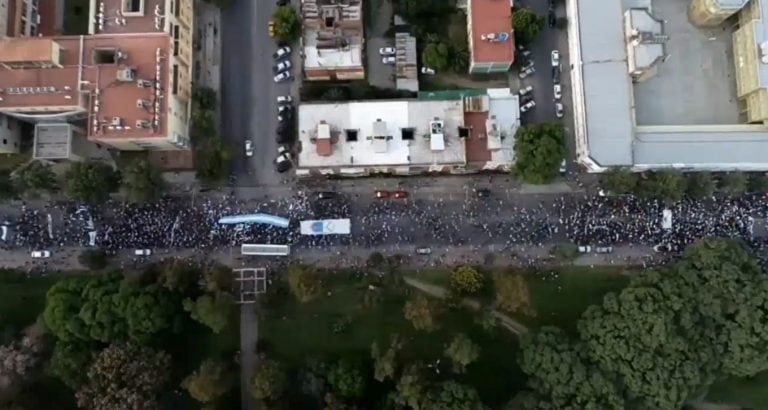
332 39
490 36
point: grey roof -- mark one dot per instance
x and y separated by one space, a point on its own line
731 4
607 84
52 141
744 150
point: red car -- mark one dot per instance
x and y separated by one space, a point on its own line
382 194
401 194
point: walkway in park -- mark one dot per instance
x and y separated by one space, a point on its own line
440 292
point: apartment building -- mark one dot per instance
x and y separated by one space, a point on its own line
333 39
29 18
127 83
490 36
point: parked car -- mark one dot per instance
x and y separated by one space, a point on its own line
483 192
555 58
603 249
563 167
326 195
552 18
662 247
556 74
41 254
528 106
559 110
379 194
423 251
284 99
427 71
525 64
283 163
143 252
388 60
285 116
558 90
282 52
524 53
387 51
4 236
528 71
585 249
248 148
282 66
284 76
526 90
271 28
401 194
283 150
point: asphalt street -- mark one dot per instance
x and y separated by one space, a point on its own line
248 92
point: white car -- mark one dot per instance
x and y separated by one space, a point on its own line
282 66
284 76
661 248
41 254
559 110
558 89
283 150
427 71
585 249
388 60
563 167
143 252
603 249
282 52
555 58
423 251
4 228
281 99
528 71
387 51
528 106
526 90
248 148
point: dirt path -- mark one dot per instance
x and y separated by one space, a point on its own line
439 292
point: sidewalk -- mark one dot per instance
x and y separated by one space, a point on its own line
207 45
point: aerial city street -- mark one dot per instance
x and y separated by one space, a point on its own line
383 204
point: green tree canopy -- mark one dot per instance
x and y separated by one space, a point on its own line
305 283
450 395
212 160
699 185
269 380
527 25
212 380
287 23
422 313
69 361
462 352
93 259
758 183
205 98
125 377
620 181
733 183
7 188
436 55
666 185
143 182
411 387
35 176
466 280
539 149
346 379
91 182
213 310
384 363
512 293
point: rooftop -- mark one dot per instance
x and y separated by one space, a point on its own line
332 34
127 16
52 141
491 21
26 49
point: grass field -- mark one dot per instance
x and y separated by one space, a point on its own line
22 298
747 392
294 333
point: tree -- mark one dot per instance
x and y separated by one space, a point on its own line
700 185
125 377
219 278
758 183
565 251
666 185
421 313
465 280
93 259
527 25
91 182
212 160
7 188
346 379
620 181
68 361
203 127
410 388
205 98
384 363
539 149
21 362
287 24
437 56
180 276
269 380
375 259
733 183
512 293
450 395
304 282
213 310
462 352
143 182
35 176
211 381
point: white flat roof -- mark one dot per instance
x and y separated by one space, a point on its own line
395 115
333 58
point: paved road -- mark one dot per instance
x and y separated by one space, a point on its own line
248 92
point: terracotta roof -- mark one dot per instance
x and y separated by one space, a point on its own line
477 150
491 16
23 49
323 147
116 21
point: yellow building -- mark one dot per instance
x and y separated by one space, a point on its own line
712 13
750 56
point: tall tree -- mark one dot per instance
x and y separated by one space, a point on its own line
466 280
618 180
733 183
7 188
91 182
437 56
758 183
68 362
539 149
212 160
287 23
462 352
666 185
269 380
411 387
213 310
527 25
450 395
512 293
125 377
346 379
421 313
143 182
305 283
21 362
212 380
35 176
700 185
384 363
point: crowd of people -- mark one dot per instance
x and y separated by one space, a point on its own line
475 221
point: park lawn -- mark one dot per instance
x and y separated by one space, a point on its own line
22 298
748 392
297 332
9 162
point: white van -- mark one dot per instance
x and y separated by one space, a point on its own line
143 252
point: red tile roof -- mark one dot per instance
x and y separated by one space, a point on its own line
491 16
116 21
476 144
26 49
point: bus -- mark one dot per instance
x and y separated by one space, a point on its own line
264 249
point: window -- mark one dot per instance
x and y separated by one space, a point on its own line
5 141
407 133
133 6
351 135
175 80
463 132
105 56
176 6
176 40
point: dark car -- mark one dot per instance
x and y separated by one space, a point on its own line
284 139
556 74
483 193
326 195
552 19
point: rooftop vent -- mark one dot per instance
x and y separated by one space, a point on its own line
126 75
